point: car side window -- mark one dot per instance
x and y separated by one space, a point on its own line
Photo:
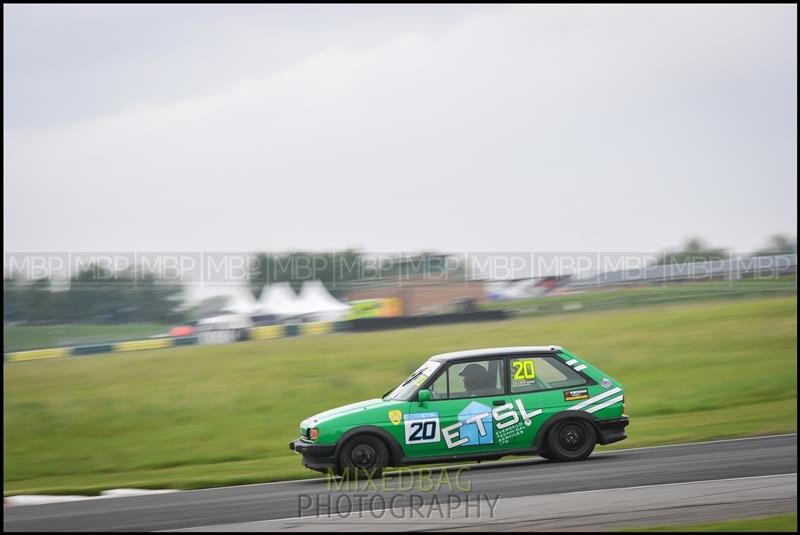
532 374
476 378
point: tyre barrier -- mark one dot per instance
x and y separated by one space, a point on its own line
265 332
36 354
224 336
401 322
214 337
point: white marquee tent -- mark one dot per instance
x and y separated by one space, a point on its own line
314 302
278 299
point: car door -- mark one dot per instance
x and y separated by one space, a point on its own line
541 386
459 420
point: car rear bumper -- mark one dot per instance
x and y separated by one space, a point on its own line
612 430
317 457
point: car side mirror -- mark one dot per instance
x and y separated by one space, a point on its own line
424 395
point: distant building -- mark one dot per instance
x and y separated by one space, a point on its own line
426 297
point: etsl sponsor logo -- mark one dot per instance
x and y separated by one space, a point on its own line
504 416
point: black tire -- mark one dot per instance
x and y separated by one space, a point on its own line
366 454
571 440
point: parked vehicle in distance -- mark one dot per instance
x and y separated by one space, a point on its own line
473 405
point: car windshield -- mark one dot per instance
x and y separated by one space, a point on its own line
407 388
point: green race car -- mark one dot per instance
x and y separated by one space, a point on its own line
473 405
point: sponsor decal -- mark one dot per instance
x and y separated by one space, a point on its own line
605 382
478 418
421 427
396 416
476 424
510 425
594 405
572 395
419 380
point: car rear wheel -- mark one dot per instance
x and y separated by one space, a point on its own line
571 440
364 454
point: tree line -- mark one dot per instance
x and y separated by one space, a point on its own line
97 295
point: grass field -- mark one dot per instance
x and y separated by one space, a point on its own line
200 416
668 293
17 338
777 523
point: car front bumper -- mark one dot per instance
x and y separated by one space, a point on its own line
317 457
612 430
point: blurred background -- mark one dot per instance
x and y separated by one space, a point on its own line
244 215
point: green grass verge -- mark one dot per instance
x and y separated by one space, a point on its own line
19 338
778 523
193 417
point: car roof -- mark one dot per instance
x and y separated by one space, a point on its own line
493 352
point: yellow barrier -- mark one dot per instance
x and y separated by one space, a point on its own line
266 332
316 328
35 354
138 345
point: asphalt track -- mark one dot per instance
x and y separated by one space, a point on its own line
666 485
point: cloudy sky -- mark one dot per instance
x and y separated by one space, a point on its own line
458 128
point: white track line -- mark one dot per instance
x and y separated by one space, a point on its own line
676 484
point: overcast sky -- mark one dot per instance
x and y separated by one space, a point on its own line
474 128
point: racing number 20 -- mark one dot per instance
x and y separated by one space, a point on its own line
523 369
422 431
422 427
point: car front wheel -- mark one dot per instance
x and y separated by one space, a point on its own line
364 454
571 440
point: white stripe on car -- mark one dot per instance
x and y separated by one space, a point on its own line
605 404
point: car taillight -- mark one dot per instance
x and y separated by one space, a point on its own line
313 433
